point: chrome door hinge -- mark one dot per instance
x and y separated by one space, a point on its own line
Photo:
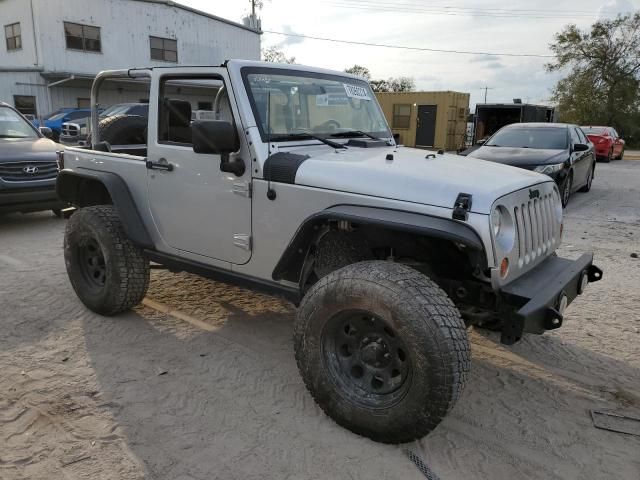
242 240
242 188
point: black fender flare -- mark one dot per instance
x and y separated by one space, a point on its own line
68 189
290 265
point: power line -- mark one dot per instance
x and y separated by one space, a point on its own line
402 47
453 11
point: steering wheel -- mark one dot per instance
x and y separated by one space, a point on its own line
329 124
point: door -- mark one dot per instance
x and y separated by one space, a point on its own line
580 160
426 127
618 143
196 207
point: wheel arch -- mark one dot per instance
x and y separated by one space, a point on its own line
84 189
291 263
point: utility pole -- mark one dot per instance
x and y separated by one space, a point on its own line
485 92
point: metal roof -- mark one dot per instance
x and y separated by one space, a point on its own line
170 3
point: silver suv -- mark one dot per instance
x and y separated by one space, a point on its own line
297 188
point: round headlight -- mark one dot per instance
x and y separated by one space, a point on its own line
496 221
504 230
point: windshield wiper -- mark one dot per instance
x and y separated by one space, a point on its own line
354 133
298 136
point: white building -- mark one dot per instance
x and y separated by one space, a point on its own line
53 48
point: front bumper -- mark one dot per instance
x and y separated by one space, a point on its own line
536 301
30 199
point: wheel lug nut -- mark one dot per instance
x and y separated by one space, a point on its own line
386 356
365 340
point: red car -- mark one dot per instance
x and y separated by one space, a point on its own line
606 141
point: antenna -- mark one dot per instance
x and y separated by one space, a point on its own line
271 194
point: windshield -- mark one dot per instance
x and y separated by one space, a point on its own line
312 103
13 125
593 130
539 137
57 116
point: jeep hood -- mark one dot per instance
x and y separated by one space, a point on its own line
411 176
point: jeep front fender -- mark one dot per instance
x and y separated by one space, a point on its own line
290 265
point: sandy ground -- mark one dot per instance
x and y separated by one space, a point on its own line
148 395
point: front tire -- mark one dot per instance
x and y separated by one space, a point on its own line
382 349
566 190
619 157
587 186
107 272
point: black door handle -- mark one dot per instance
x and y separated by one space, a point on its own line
161 164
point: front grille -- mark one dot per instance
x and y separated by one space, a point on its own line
25 172
535 228
70 130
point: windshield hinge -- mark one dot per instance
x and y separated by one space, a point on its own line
242 188
462 207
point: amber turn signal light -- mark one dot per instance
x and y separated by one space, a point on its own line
504 267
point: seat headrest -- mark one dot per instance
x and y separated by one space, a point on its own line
179 112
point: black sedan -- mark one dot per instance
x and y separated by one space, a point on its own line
559 150
28 165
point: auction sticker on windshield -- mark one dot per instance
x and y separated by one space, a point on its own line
354 91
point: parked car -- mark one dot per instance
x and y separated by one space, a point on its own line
298 189
28 165
55 120
607 142
77 132
558 150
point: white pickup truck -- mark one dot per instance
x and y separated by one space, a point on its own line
296 188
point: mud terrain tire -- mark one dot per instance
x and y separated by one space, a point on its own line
382 349
108 272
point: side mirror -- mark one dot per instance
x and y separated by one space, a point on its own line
580 147
46 131
217 137
214 136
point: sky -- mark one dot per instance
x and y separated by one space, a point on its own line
491 29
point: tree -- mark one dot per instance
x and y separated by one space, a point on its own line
603 65
359 71
400 84
274 54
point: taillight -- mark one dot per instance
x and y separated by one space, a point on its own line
60 159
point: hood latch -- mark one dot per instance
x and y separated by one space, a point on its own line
462 207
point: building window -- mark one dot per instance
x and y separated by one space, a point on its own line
165 49
401 116
14 36
25 104
205 105
84 103
82 37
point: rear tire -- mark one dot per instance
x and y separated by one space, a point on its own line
619 157
107 272
382 349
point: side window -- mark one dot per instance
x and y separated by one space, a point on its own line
179 97
614 133
582 136
575 138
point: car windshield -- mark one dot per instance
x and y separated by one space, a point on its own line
57 116
13 125
593 130
299 103
539 137
115 110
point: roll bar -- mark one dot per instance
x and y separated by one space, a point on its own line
95 88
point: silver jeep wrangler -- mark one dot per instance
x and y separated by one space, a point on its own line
296 188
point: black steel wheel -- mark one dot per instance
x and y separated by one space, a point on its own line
382 350
92 265
366 357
